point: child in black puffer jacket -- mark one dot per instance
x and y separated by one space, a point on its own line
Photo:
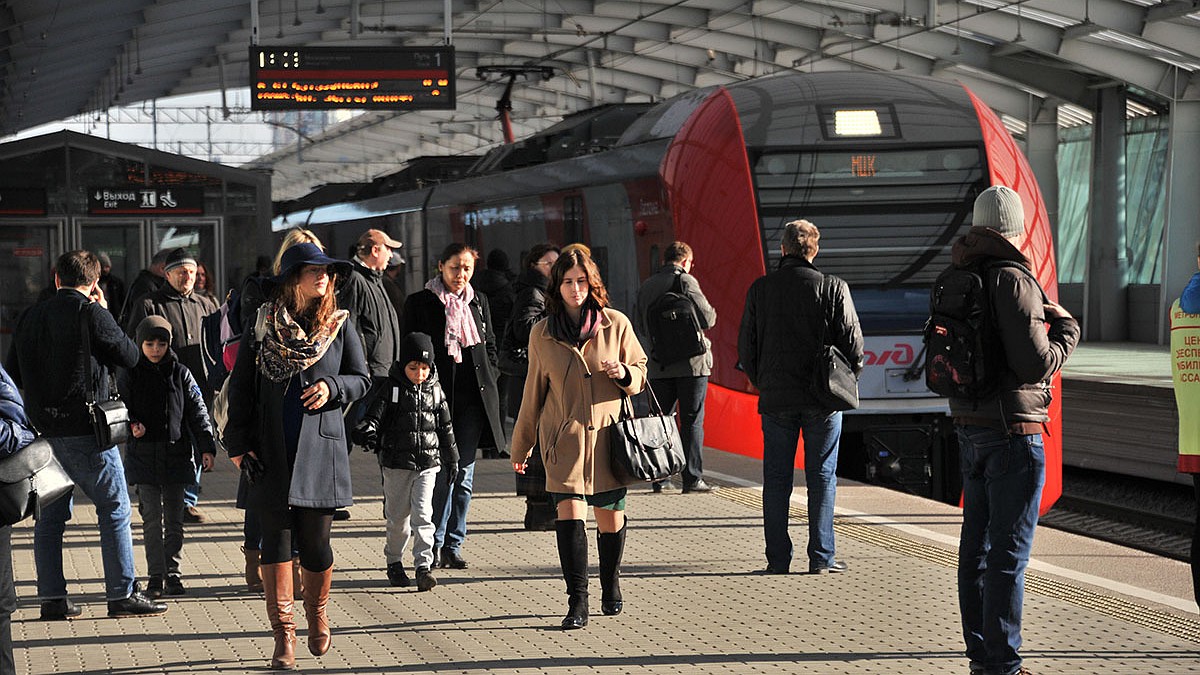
167 416
408 424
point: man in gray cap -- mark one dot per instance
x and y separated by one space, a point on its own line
185 310
1000 433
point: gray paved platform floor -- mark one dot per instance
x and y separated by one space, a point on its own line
691 604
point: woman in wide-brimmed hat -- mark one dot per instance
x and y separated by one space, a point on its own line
298 365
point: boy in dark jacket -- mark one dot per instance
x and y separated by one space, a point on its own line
409 426
163 398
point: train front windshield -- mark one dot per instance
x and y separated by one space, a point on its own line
887 217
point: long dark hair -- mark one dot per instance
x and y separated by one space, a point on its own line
569 259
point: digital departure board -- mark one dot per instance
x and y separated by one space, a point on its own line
356 78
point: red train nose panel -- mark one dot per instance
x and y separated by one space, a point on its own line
707 177
1008 166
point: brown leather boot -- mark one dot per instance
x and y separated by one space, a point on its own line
297 580
316 598
254 582
277 582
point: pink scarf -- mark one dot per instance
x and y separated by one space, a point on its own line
461 330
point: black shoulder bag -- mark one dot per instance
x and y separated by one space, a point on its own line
834 383
645 448
30 479
110 419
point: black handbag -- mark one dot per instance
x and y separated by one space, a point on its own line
835 385
645 448
110 419
30 479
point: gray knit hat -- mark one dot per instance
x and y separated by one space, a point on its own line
999 208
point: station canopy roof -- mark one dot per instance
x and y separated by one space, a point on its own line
1027 59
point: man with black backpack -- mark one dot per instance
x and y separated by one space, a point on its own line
999 417
672 314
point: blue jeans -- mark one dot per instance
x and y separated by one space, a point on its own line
1002 487
101 476
689 392
451 502
822 432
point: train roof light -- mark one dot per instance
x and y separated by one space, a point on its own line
856 123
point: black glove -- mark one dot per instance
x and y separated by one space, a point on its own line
253 468
451 470
366 434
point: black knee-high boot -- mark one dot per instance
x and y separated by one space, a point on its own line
573 556
612 549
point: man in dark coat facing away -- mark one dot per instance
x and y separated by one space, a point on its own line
57 346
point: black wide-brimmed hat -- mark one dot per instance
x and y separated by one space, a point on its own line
307 254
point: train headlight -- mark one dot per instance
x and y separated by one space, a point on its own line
856 123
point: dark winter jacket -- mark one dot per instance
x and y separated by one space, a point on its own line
363 295
47 361
16 431
186 314
1032 355
320 476
164 397
145 282
413 421
780 336
476 375
497 285
114 290
654 288
529 307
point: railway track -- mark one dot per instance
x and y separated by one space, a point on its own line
1113 509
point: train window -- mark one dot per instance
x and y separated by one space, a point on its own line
887 219
572 219
655 259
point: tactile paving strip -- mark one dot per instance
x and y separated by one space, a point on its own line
1106 605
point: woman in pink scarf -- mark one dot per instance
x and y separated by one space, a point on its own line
464 340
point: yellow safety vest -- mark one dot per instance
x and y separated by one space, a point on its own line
1185 371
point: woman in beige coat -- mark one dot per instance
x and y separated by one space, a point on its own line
582 357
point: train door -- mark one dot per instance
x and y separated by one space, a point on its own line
28 249
123 240
611 226
203 238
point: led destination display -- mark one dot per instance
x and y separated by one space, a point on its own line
357 78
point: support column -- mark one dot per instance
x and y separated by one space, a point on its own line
1042 151
1183 207
1107 289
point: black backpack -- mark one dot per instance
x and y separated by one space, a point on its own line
673 326
964 355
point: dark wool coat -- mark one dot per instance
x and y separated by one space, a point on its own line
145 282
1032 355
16 431
363 295
46 360
570 404
186 314
497 285
320 477
165 398
415 428
780 336
424 312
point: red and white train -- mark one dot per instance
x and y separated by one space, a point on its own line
886 165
